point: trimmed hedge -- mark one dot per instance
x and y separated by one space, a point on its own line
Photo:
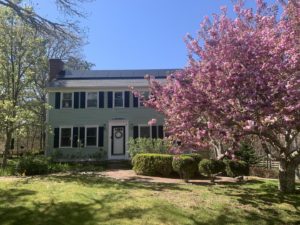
197 157
32 165
236 168
152 164
185 166
209 167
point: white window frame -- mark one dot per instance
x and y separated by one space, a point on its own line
139 100
65 127
61 100
86 99
85 136
145 125
123 96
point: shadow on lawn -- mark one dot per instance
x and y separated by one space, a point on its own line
105 182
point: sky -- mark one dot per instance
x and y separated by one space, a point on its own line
140 34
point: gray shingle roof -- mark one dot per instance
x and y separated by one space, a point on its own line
114 74
107 78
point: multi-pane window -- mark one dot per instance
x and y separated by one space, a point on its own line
67 100
144 132
91 136
66 137
92 99
119 99
145 97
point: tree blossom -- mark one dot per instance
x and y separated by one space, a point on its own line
242 78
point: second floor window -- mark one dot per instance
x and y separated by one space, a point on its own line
67 100
119 99
92 99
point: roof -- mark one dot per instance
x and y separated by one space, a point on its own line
107 78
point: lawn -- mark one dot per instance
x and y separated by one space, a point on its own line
89 199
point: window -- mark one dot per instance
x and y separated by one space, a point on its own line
66 137
119 99
145 96
145 132
92 99
67 100
91 136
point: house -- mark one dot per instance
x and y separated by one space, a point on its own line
93 113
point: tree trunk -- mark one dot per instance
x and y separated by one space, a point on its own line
286 176
7 148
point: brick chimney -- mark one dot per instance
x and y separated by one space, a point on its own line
56 67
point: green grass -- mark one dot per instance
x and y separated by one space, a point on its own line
90 199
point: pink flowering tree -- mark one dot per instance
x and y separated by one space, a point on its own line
242 79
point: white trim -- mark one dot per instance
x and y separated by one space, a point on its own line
86 100
118 123
63 127
61 99
85 136
139 100
123 97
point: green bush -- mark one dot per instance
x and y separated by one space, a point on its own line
197 157
209 167
152 164
32 165
147 145
185 166
236 168
58 167
247 153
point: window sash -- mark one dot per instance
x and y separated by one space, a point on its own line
119 101
145 94
91 138
67 100
92 99
144 128
65 137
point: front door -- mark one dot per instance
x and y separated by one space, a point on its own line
118 140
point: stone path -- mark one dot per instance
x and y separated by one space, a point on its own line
129 175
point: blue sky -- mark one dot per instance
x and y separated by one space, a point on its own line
140 34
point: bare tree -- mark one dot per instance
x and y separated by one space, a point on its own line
71 8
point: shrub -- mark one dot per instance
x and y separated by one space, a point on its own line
247 153
236 168
210 167
152 164
185 166
264 172
147 145
58 167
32 165
197 157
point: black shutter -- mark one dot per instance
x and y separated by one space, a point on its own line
109 99
154 131
75 137
57 100
76 100
135 132
135 101
160 132
101 137
56 138
12 143
82 136
127 96
82 100
101 99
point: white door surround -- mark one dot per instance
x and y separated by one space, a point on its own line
117 139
